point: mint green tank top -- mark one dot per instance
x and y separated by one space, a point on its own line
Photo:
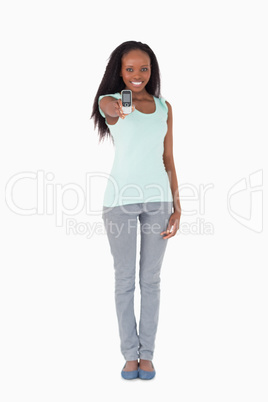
138 172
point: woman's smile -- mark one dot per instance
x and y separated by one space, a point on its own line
136 83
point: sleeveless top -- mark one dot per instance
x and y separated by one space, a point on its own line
138 173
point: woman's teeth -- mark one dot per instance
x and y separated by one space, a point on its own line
136 83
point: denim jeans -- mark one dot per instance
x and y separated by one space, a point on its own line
121 223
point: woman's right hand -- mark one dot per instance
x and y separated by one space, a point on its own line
118 108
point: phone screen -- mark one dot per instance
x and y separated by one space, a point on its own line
126 97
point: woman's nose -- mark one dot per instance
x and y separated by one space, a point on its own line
136 77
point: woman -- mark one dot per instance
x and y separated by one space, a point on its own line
142 188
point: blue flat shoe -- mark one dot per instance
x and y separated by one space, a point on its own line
129 375
146 375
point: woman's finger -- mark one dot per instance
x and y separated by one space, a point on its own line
170 231
120 109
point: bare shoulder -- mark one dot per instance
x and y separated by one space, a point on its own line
169 106
169 111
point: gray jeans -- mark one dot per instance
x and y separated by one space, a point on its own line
121 224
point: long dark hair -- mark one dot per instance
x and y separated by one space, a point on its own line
112 82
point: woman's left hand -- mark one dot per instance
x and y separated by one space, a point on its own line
174 221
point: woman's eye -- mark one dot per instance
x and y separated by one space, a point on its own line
143 69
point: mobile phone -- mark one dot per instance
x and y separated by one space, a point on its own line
126 96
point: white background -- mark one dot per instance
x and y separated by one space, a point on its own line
59 336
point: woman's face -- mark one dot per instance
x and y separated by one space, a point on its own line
136 70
